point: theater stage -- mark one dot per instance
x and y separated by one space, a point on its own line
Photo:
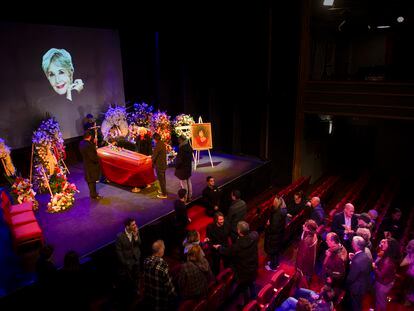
90 225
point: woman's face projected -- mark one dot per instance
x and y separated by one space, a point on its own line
60 78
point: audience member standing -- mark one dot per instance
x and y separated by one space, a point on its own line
391 226
217 233
159 161
181 216
90 163
183 165
237 212
73 287
128 251
274 231
305 259
244 258
385 269
409 261
195 275
359 274
143 145
159 291
47 275
334 264
211 196
344 224
296 206
317 212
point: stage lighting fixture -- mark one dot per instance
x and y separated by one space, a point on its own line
383 26
400 19
328 2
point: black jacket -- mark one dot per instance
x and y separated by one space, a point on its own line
274 232
183 161
358 279
237 212
338 222
143 145
244 257
90 160
128 252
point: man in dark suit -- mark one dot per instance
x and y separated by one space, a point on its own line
237 212
87 149
211 196
159 161
358 279
127 250
344 224
244 257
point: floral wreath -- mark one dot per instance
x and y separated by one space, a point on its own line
115 117
49 149
180 121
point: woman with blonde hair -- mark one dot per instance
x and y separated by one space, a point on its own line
274 231
195 275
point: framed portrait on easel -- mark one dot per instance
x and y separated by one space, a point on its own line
201 136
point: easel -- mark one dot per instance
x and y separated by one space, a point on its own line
196 156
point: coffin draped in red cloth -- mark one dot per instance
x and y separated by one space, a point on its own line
126 167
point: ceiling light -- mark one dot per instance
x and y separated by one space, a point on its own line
328 2
383 27
400 19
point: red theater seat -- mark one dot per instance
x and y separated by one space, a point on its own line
26 234
251 306
265 295
216 297
15 209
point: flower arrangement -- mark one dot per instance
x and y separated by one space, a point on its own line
182 125
63 193
161 124
141 115
49 148
115 123
22 190
6 159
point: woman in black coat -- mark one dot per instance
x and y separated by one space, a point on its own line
183 165
274 234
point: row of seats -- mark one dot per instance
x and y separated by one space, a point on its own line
324 188
217 294
258 217
273 293
22 222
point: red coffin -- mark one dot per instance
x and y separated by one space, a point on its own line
126 167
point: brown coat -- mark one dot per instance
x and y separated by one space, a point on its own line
306 256
334 264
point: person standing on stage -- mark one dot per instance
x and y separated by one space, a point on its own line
183 165
90 163
143 141
144 146
159 161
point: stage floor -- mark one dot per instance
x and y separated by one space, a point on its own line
91 224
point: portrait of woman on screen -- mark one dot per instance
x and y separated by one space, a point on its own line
58 68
